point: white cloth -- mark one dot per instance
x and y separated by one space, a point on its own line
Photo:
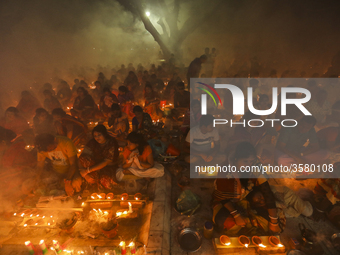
154 172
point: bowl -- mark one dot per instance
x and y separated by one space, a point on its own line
189 240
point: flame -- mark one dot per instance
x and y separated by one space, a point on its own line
31 215
228 243
92 197
122 198
100 211
14 214
49 224
106 212
95 210
36 223
27 243
22 215
25 225
41 242
129 204
125 212
122 243
246 245
279 245
137 198
52 248
132 244
43 217
99 196
261 245
51 216
37 215
119 214
82 204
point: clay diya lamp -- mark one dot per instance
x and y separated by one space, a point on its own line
110 196
124 197
102 196
94 196
257 241
67 224
109 229
225 240
138 196
244 241
29 222
275 242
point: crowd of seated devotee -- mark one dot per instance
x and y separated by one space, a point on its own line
100 135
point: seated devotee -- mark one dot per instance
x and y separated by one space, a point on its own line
102 149
156 83
170 89
192 116
84 107
203 143
118 123
106 101
151 101
63 156
182 97
142 120
138 160
13 151
125 98
50 102
66 125
230 206
28 104
290 145
43 122
131 81
64 93
17 166
14 121
97 92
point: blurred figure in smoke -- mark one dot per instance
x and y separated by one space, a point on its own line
50 101
64 93
208 66
192 116
125 98
76 85
151 101
106 101
195 67
14 121
63 155
122 72
66 125
84 106
43 122
182 97
118 123
156 83
28 104
131 81
170 89
103 150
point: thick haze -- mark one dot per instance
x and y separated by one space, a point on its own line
44 39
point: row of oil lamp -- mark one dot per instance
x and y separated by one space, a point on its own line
57 248
256 240
124 196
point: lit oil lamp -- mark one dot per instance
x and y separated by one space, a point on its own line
94 196
109 196
124 196
244 241
132 248
258 241
138 196
275 242
225 240
122 247
102 196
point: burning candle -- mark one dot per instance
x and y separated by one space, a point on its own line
132 248
102 195
30 247
122 247
125 196
56 246
258 241
130 208
43 246
94 196
109 196
275 242
145 249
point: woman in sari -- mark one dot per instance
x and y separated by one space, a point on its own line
138 160
100 158
151 100
231 209
14 121
84 106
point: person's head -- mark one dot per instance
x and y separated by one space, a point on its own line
306 123
195 106
25 94
180 87
115 110
153 77
136 141
6 136
82 92
98 84
58 113
76 81
206 123
245 154
41 114
148 88
45 142
47 93
123 90
99 133
11 113
256 199
131 74
254 83
138 111
206 51
107 91
203 58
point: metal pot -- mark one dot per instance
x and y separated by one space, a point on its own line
189 240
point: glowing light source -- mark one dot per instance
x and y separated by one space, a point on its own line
147 14
246 245
261 245
279 245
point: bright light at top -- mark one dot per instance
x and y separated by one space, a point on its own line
147 14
